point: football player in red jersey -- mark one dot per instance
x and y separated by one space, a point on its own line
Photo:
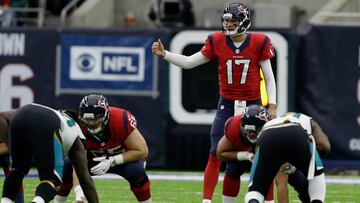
241 56
237 147
114 144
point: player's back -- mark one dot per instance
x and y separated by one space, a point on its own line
291 117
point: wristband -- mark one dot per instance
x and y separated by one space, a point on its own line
244 156
118 159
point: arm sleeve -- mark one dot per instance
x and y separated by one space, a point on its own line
186 62
269 80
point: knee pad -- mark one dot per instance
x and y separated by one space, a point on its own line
254 197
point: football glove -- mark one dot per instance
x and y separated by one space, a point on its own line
104 165
245 156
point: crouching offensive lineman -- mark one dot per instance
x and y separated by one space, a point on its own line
237 147
114 145
283 140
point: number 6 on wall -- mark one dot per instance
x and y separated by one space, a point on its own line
9 91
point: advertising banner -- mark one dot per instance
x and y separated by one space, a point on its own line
109 63
27 67
328 79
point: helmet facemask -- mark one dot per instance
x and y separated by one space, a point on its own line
94 125
250 132
253 120
94 113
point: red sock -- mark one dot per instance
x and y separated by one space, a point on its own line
21 189
142 193
211 176
270 194
231 186
65 189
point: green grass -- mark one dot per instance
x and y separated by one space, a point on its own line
118 191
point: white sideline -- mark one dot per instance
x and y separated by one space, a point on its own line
179 176
245 178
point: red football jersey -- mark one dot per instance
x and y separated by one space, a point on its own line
121 125
232 132
239 68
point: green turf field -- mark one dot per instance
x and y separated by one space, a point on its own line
118 191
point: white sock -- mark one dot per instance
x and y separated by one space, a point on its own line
59 199
228 199
6 200
146 201
317 188
269 201
38 199
206 201
79 194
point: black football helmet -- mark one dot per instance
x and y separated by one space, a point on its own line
235 11
94 113
253 120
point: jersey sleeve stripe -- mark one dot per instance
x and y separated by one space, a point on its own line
125 120
266 40
210 37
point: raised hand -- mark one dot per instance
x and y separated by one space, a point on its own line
158 48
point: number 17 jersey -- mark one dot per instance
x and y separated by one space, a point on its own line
239 68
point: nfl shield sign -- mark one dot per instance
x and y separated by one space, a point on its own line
110 64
